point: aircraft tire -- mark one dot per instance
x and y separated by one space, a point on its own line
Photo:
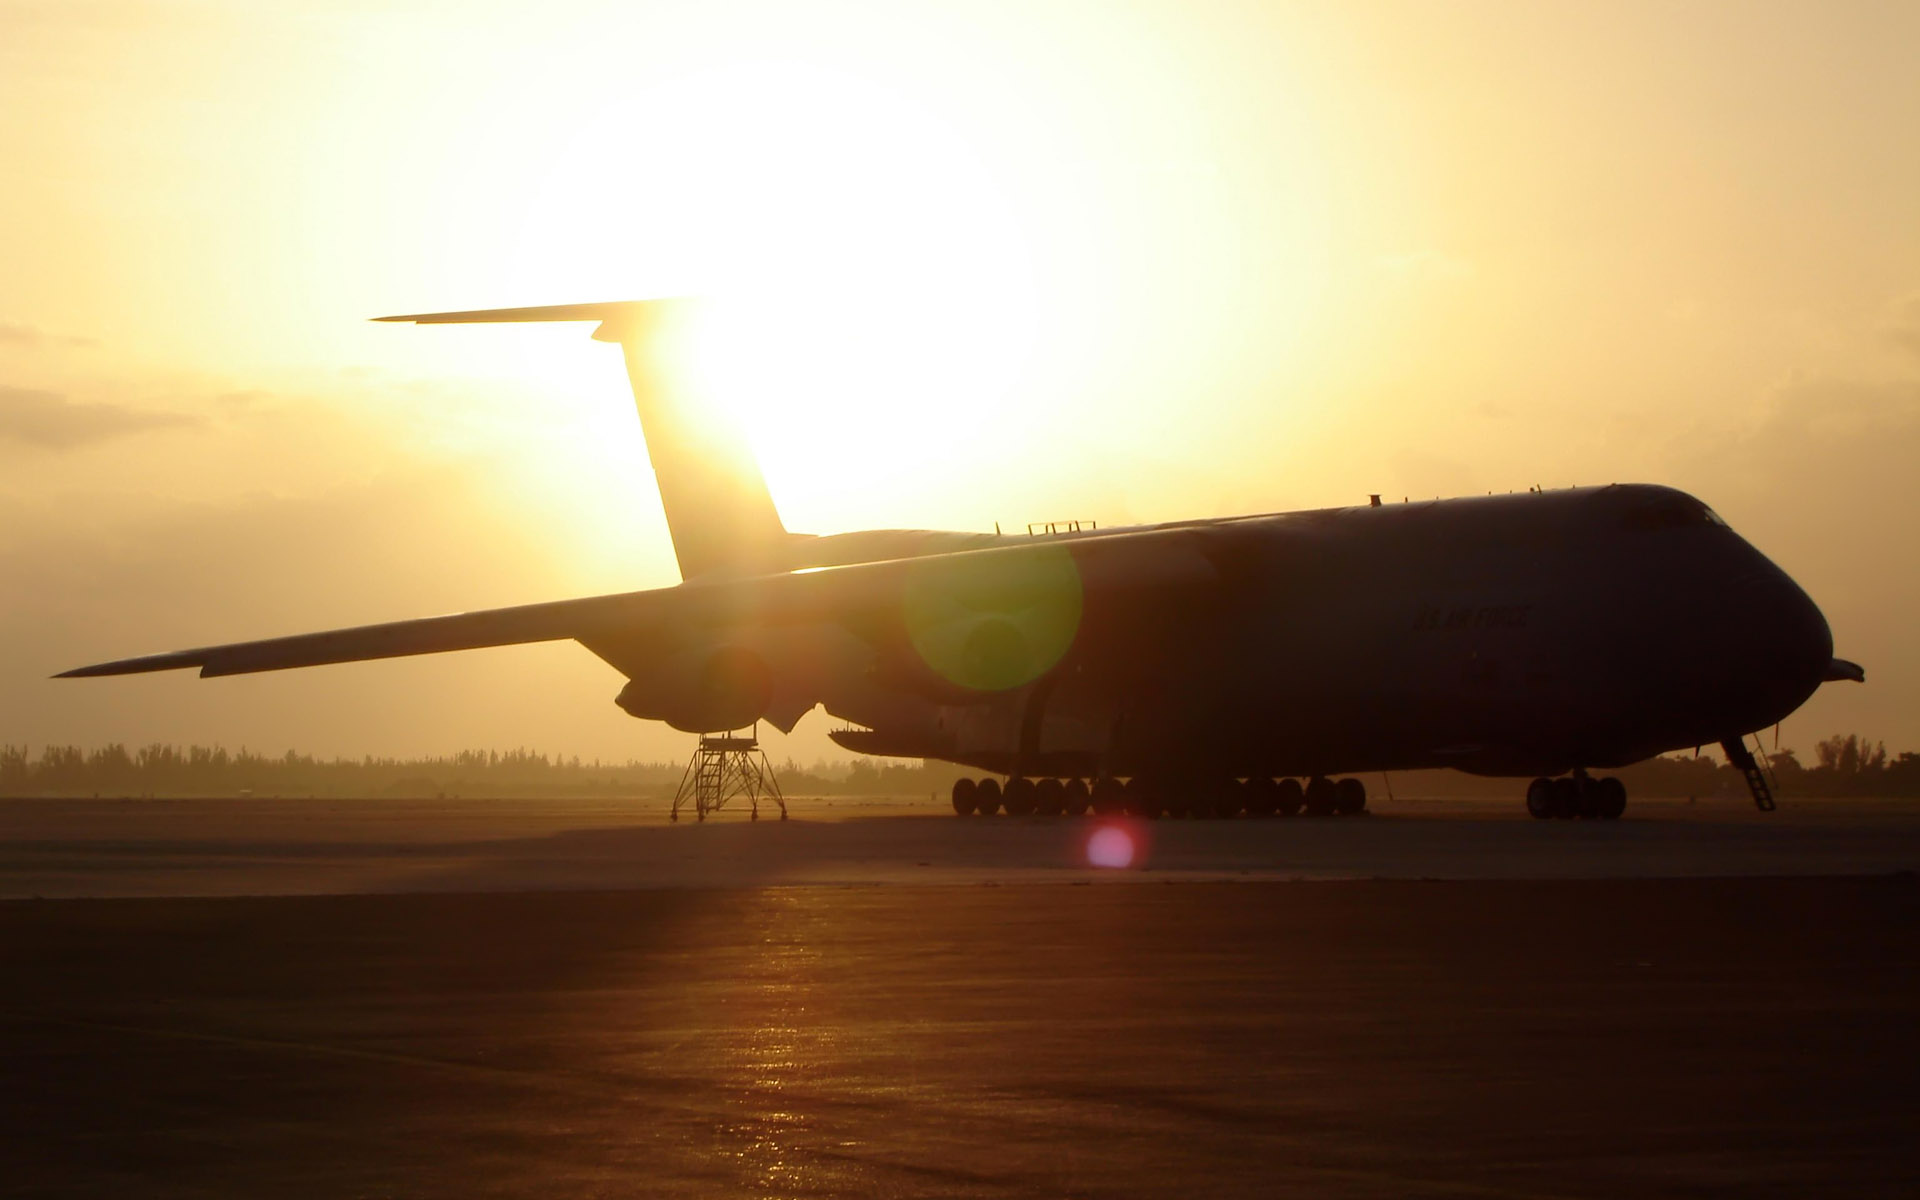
1587 805
1109 796
964 791
1291 797
1350 797
1049 797
1540 799
1263 798
1144 799
1611 801
1229 798
1320 797
1018 796
986 797
1074 797
1566 798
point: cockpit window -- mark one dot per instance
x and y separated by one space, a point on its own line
1670 511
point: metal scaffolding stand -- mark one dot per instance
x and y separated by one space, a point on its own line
725 766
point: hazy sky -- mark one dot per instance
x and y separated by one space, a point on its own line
1026 262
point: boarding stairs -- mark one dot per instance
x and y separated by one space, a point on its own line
1756 768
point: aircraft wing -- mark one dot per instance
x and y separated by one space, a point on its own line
864 595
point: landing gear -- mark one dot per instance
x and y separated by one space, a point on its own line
1349 797
1292 796
1576 795
1321 797
1566 798
1610 798
1152 798
986 798
1075 796
1144 799
1019 796
1263 798
1049 797
1540 799
1229 798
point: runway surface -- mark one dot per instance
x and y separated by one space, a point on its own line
110 847
1038 1028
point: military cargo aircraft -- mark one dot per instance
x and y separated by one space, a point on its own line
1210 667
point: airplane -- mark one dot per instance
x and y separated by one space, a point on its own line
1255 664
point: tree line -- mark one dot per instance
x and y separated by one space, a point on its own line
166 770
1844 765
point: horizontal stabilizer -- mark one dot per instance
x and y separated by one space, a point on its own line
620 316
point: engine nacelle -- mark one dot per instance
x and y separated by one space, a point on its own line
703 690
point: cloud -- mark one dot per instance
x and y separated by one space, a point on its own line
1903 323
13 333
50 421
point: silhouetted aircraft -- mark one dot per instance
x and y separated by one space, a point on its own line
1200 666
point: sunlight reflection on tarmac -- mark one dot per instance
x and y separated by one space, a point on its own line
879 999
1345 1039
56 848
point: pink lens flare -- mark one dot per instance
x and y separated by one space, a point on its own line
1111 846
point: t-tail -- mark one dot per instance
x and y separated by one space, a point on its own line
719 512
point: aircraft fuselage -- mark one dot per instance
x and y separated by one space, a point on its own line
1512 635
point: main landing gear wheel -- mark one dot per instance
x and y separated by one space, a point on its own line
1350 797
964 793
1074 796
1143 799
1566 798
1292 797
1610 801
1263 797
1049 797
1109 796
986 797
1321 796
1540 799
1576 796
1018 797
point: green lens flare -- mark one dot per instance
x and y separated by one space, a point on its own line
994 622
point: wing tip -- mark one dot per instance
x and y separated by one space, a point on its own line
137 666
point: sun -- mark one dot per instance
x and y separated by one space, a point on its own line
866 274
938 293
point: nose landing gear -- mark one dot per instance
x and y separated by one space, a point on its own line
1576 795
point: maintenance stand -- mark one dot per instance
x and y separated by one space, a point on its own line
724 766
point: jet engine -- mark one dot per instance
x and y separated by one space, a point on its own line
703 689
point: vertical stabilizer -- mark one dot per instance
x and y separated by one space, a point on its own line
719 512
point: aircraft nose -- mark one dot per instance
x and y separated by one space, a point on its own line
1787 644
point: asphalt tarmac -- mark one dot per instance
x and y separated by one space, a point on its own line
1334 1026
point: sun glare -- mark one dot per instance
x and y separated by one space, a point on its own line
909 261
866 275
1111 846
